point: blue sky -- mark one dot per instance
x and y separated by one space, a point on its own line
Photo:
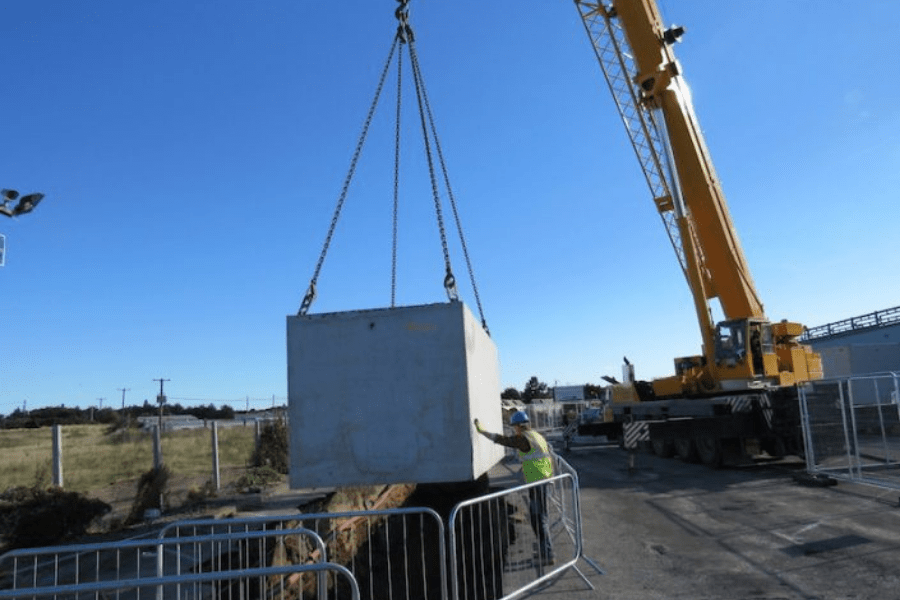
192 155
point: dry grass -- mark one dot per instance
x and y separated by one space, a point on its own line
93 459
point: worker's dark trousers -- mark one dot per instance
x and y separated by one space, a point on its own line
537 507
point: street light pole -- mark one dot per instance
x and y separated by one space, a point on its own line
25 205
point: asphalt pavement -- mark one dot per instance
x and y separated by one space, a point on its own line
668 529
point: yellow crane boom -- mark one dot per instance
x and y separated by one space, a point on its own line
745 351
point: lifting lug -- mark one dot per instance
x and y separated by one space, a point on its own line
307 299
450 286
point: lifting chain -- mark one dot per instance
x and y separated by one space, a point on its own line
404 36
311 291
396 177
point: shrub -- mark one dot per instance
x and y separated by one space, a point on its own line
151 487
197 496
257 478
272 449
34 517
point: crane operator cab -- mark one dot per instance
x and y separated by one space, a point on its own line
763 353
742 344
748 354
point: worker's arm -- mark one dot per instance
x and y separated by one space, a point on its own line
519 442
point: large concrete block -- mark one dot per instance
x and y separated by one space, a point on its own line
388 396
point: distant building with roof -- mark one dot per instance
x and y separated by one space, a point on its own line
860 345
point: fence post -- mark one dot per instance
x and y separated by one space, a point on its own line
215 455
57 456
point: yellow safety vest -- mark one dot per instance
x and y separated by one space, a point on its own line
536 463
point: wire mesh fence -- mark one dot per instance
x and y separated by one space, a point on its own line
852 428
83 458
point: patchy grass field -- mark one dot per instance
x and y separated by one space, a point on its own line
94 459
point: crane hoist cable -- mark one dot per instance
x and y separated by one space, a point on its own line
404 37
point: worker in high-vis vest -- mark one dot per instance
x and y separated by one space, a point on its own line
537 464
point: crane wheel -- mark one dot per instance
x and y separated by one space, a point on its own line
663 448
686 450
709 449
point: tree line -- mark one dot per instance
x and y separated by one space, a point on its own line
535 389
68 415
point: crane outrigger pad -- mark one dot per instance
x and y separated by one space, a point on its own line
388 396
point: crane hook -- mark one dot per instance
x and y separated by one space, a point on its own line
404 31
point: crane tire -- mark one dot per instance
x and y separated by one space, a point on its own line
686 450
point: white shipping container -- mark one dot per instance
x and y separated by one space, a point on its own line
389 395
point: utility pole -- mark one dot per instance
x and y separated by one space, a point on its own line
123 390
124 417
161 399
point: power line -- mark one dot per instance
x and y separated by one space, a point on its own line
231 401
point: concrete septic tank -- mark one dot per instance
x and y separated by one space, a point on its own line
389 395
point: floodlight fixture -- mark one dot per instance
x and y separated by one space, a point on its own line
25 205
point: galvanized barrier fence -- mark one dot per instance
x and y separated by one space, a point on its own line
400 553
554 418
207 565
395 554
496 550
273 583
851 428
546 418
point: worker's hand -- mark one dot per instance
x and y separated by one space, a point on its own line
488 435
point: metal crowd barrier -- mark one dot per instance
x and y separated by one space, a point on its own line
273 582
546 418
403 555
494 550
851 428
125 569
395 554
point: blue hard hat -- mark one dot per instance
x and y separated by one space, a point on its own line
518 417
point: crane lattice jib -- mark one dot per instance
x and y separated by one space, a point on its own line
633 51
616 61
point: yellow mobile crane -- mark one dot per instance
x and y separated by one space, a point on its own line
742 388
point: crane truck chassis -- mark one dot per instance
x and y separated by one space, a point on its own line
729 429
